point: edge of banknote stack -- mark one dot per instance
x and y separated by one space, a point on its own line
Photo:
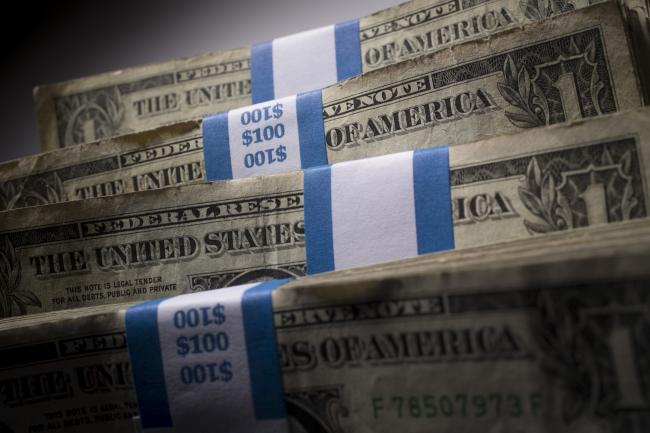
150 283
103 106
599 272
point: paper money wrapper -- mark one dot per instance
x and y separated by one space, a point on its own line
178 154
512 336
142 98
192 238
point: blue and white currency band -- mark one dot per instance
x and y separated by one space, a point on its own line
278 136
305 61
208 362
377 210
284 131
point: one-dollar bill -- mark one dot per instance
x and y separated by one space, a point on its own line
205 236
517 347
568 68
141 98
426 346
558 70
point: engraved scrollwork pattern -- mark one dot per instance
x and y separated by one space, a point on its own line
316 410
536 95
12 300
541 9
37 191
578 339
199 283
557 193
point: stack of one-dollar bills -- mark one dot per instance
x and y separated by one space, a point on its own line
429 219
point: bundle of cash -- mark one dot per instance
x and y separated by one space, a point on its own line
197 237
544 334
142 98
569 68
499 147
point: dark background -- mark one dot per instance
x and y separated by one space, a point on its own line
46 42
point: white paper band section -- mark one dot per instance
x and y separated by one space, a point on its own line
264 138
378 209
305 61
381 227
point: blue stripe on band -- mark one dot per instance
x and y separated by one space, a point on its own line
216 147
146 363
311 131
433 218
263 365
262 88
348 49
318 220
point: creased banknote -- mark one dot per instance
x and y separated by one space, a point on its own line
575 66
555 71
167 156
141 98
459 352
539 335
197 237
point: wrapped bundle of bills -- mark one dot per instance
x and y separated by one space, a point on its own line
507 137
446 98
197 237
147 97
547 333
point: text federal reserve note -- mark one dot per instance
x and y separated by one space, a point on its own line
559 70
137 99
423 345
197 237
